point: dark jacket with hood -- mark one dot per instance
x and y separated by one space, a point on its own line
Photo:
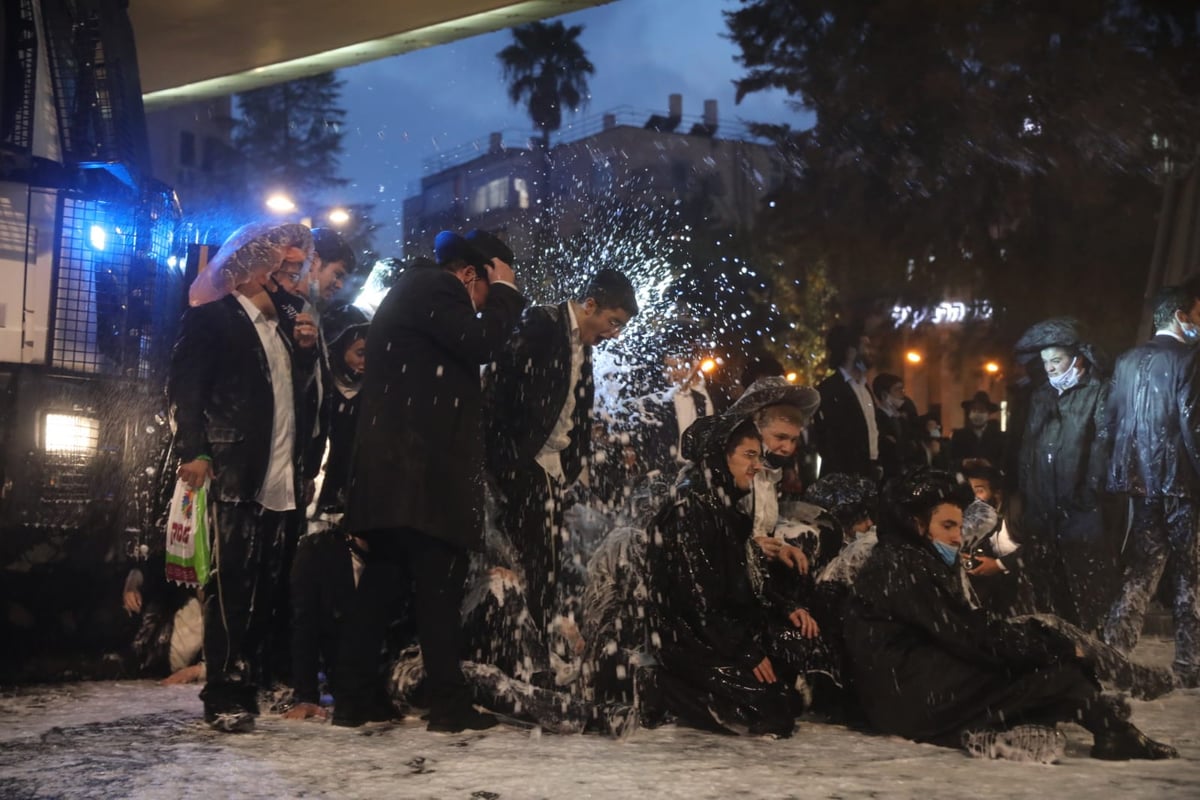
1155 420
1065 449
419 454
924 662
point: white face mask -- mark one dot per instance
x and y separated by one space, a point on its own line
978 418
1069 378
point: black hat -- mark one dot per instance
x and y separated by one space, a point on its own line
981 399
448 246
490 245
1064 332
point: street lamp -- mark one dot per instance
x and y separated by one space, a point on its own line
280 203
991 368
339 216
913 357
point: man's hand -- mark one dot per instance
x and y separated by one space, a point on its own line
306 711
497 270
987 566
305 332
779 550
195 473
805 622
765 672
133 601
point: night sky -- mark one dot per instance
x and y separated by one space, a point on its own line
405 109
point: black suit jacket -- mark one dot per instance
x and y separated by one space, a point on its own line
221 401
525 390
965 444
419 454
840 429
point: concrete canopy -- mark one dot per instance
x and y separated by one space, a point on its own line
193 49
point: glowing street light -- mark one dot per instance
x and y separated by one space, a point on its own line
280 203
913 357
707 365
792 377
991 368
339 216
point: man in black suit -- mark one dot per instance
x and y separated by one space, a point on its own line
1154 421
234 388
416 489
981 437
845 429
538 407
669 412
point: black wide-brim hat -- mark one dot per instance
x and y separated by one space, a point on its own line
981 398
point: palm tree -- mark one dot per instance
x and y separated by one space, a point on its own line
546 68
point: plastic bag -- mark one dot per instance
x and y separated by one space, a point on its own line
188 553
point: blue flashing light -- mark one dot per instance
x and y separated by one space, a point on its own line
172 261
98 237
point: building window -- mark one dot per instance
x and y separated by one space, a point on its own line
492 195
187 148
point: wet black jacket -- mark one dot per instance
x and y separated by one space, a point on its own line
342 423
220 398
1065 452
710 612
924 662
419 452
1155 420
526 388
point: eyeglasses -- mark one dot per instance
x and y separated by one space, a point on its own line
294 277
615 324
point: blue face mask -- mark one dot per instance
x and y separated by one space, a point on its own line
948 552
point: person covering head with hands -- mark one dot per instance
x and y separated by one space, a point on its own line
415 492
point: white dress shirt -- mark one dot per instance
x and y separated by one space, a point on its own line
685 408
278 491
868 409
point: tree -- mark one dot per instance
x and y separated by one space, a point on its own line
289 137
546 69
1009 150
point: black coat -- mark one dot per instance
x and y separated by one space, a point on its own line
1064 453
221 402
342 423
840 429
925 664
965 443
526 388
1155 421
419 452
899 449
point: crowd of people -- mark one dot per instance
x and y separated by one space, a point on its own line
485 547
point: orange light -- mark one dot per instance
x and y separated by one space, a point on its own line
791 377
913 357
707 365
991 367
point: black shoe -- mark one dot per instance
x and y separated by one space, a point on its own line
1130 743
467 719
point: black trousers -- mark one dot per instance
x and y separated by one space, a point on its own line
437 572
239 602
532 518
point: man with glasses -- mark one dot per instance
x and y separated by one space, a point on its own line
538 399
